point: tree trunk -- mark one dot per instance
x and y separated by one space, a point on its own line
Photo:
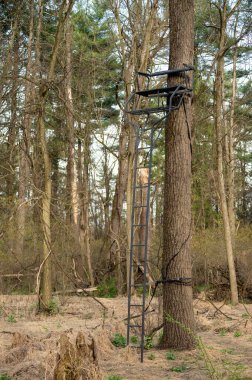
71 166
7 56
230 163
84 230
46 212
221 184
177 298
116 214
24 169
106 199
46 196
12 133
220 171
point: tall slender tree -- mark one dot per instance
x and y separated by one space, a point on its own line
219 127
24 168
69 109
64 12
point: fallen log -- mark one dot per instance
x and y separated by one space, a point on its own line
73 291
17 275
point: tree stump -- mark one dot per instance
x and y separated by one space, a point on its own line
77 359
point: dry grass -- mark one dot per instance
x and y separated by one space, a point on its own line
31 346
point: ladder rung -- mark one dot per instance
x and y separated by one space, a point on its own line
141 187
142 285
136 304
135 325
146 129
142 167
144 147
138 245
136 285
140 206
139 225
134 346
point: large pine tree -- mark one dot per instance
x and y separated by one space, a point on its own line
177 299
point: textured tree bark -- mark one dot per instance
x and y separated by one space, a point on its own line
106 198
116 214
71 166
219 80
46 213
230 163
177 298
84 230
7 60
121 182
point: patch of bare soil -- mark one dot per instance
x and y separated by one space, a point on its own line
76 342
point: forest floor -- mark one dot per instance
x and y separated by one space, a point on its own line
28 341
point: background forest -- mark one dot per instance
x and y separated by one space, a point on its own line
67 147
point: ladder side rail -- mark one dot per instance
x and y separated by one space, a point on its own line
132 233
146 242
156 127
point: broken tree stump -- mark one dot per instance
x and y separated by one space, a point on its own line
77 358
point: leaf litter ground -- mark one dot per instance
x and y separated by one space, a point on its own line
29 342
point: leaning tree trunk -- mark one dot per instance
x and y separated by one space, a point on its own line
46 265
220 170
177 298
221 187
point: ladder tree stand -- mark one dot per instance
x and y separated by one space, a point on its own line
158 99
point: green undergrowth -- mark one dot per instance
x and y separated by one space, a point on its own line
22 290
180 368
4 377
170 355
53 307
217 369
148 344
11 318
134 339
151 356
107 288
119 340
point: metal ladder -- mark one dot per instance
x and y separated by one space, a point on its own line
135 245
174 96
